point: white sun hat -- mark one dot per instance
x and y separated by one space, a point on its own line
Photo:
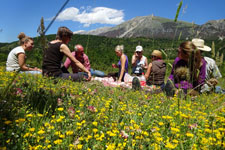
199 43
139 48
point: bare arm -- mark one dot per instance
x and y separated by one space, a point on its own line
23 67
147 74
146 64
66 51
123 61
134 59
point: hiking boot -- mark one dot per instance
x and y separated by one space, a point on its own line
169 88
136 84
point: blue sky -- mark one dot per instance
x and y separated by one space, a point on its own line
24 15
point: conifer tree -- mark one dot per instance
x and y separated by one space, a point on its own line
43 38
41 31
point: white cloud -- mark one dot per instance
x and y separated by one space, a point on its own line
89 16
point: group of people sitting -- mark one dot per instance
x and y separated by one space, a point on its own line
190 70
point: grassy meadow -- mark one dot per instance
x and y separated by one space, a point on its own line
39 113
43 113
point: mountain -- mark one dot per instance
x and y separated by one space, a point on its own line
212 29
162 28
97 31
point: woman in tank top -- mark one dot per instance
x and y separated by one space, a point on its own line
53 57
122 64
139 61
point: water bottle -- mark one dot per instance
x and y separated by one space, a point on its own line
142 79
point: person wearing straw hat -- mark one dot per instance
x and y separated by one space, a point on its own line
139 61
156 70
212 70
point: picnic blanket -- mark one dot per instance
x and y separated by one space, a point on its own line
109 81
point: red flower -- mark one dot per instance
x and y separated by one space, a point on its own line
71 112
59 101
91 108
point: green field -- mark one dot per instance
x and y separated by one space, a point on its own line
44 113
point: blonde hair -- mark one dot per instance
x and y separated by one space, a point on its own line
119 48
23 38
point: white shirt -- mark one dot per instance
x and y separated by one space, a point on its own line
139 63
12 63
212 70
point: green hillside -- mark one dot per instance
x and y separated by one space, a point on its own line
101 49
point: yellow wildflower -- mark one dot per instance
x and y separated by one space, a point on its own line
41 132
40 115
190 135
161 123
29 115
79 146
60 109
69 132
95 130
58 141
95 123
31 129
7 122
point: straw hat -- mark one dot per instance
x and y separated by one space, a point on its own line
199 43
157 53
139 48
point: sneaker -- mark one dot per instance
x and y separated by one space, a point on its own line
136 84
169 88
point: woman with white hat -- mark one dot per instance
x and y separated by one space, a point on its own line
156 70
139 61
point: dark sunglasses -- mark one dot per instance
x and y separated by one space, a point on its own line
138 52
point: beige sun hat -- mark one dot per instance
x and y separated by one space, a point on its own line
157 53
199 43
